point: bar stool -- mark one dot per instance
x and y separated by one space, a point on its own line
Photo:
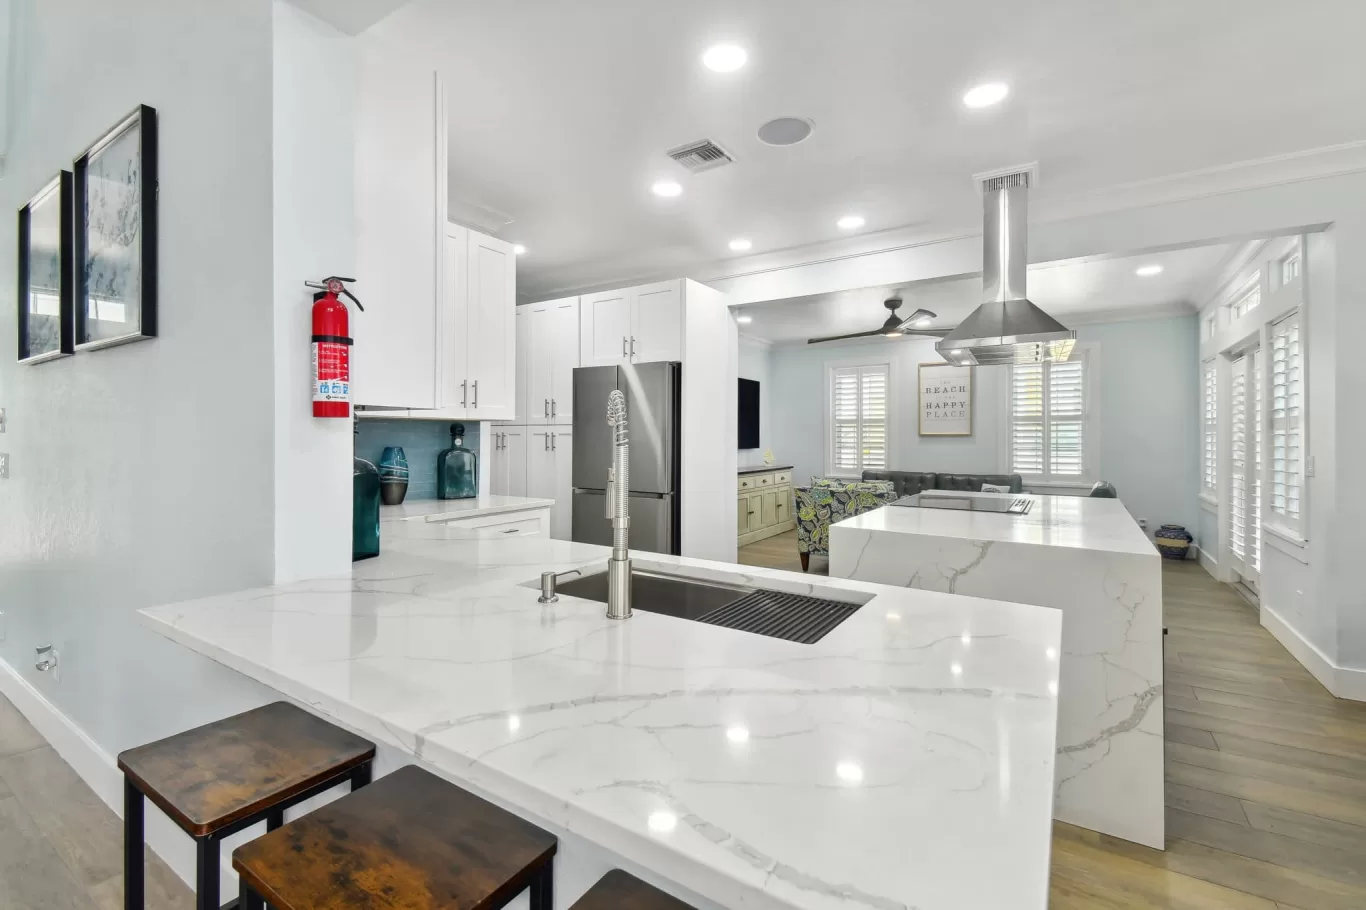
218 779
408 840
619 890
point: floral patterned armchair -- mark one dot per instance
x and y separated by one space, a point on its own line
828 501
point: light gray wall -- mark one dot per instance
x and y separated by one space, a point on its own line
1148 434
754 364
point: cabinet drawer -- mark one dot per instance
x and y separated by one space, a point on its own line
523 527
782 477
765 480
747 483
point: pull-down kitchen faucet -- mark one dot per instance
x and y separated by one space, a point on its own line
618 502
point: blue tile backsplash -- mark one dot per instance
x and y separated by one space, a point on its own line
422 441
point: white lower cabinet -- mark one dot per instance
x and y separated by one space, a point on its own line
508 462
549 461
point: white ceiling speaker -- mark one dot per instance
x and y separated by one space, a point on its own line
785 131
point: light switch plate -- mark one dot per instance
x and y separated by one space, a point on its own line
2 420
4 466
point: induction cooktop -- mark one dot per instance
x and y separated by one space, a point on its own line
966 502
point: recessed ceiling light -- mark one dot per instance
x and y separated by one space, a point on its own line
744 320
667 188
785 131
849 771
987 94
724 58
1147 271
518 249
740 244
850 222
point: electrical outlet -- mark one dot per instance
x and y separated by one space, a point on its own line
4 466
2 420
2 625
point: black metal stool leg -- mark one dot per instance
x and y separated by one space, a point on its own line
132 846
247 899
543 888
274 819
206 873
360 776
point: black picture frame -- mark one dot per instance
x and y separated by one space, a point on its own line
87 333
57 194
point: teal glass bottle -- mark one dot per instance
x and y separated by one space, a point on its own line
457 468
364 506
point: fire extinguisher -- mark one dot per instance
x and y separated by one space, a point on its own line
331 348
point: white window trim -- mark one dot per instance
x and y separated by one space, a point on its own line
1271 522
828 419
1091 351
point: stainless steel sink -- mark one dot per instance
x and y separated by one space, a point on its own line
777 614
655 593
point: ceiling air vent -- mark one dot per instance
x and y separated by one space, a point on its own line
702 155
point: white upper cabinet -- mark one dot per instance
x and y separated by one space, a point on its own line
400 222
508 462
657 322
549 458
606 328
633 325
491 328
549 334
452 362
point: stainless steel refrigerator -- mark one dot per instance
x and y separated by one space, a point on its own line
652 393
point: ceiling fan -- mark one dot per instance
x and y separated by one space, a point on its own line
894 327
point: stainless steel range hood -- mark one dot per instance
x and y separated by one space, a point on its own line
1007 328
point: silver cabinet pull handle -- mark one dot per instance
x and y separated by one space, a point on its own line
547 441
623 346
552 407
546 411
475 403
633 346
553 446
464 391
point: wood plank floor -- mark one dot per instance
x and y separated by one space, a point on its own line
1266 772
1266 787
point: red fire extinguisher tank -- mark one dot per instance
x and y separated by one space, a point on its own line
331 348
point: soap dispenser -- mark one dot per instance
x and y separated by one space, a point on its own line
364 504
457 474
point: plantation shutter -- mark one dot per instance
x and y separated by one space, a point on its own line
1287 417
1238 461
1048 415
858 434
1211 428
1255 506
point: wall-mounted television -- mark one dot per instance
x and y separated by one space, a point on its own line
748 411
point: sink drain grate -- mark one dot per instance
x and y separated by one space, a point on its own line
795 617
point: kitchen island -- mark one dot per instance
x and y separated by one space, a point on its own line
887 765
1089 559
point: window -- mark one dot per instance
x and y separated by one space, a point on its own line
1290 268
1248 302
1210 443
858 419
1049 410
1287 422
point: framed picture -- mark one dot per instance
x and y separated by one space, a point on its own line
945 399
116 235
45 257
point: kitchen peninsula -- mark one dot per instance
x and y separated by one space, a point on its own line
887 765
1087 558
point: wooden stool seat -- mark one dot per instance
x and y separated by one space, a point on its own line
409 840
619 890
225 776
212 776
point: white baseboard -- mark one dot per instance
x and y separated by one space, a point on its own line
101 773
1207 562
1344 682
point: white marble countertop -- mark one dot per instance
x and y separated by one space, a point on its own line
451 509
1054 521
904 761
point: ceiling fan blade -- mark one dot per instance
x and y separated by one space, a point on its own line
919 314
843 337
932 333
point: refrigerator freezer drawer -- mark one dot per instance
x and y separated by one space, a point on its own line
654 528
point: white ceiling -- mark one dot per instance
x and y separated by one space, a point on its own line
561 111
1091 290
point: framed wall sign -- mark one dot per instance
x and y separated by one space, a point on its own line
45 279
116 235
945 399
